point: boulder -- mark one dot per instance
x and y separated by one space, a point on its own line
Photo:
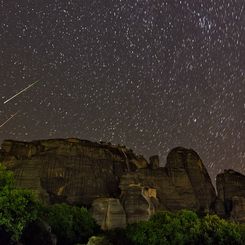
108 213
98 240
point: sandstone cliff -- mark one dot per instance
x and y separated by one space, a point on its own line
183 184
231 194
120 186
70 170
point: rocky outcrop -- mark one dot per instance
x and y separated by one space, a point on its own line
238 209
108 213
190 178
154 162
219 208
183 184
120 186
69 170
231 193
139 200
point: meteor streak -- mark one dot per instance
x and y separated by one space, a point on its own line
22 91
12 116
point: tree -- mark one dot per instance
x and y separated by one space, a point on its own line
18 207
166 228
215 230
185 227
71 224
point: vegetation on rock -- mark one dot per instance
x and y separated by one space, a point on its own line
18 207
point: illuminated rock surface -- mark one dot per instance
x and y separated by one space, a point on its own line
108 213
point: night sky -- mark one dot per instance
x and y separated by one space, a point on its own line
148 74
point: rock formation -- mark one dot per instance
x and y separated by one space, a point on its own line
108 213
71 170
139 200
154 162
231 194
238 209
183 184
190 178
119 186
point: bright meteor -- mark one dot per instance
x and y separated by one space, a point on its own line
22 91
12 116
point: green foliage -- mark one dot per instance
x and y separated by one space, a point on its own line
219 231
98 240
242 231
6 179
184 227
18 207
166 228
71 224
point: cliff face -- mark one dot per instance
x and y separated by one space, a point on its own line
119 186
190 177
183 184
71 170
231 194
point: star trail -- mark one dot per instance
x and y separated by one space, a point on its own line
151 75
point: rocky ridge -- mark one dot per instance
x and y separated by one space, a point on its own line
118 185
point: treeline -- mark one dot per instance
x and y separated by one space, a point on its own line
25 220
185 227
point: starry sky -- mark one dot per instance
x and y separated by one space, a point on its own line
149 74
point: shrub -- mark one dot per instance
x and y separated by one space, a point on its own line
242 231
18 207
215 230
166 228
99 240
69 223
185 227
